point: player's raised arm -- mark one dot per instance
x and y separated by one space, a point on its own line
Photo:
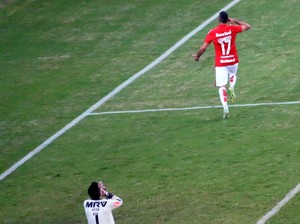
245 26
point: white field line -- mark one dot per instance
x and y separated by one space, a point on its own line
114 92
279 205
191 108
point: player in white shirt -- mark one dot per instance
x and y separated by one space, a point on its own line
98 208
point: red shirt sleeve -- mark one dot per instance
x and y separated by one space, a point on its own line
209 37
237 29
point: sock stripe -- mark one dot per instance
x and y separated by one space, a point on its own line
224 95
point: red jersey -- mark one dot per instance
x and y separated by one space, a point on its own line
223 36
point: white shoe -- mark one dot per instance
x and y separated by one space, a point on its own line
226 114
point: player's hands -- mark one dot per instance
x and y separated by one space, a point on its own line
231 20
103 191
196 58
101 185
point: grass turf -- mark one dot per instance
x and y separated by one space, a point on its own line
170 167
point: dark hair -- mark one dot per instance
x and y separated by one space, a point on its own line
223 17
94 191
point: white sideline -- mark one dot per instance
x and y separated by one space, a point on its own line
89 111
279 205
192 108
113 93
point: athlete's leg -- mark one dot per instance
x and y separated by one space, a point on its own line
232 70
223 98
221 82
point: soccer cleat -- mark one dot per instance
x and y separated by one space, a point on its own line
232 94
226 114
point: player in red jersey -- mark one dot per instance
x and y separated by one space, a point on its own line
226 57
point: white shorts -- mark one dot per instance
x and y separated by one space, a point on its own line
224 73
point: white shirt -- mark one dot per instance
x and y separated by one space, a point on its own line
100 211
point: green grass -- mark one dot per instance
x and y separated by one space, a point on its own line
58 58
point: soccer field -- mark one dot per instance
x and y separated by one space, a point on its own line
156 137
